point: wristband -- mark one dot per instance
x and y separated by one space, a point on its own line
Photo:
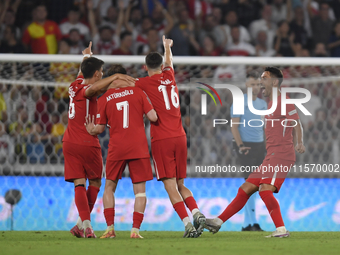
87 56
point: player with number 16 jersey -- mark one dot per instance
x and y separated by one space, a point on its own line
168 139
163 91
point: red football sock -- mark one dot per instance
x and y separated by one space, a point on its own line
273 207
137 219
92 193
190 202
180 209
109 214
236 205
82 203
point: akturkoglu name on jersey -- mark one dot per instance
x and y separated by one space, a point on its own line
120 94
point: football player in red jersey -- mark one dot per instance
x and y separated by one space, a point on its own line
168 139
282 133
82 152
122 110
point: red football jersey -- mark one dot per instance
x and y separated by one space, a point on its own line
80 106
163 93
280 138
122 110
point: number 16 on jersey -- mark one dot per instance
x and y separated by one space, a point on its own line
174 96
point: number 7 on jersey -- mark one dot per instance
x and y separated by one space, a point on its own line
125 107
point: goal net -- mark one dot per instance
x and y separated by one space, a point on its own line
34 115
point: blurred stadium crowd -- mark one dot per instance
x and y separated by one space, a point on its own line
199 27
33 119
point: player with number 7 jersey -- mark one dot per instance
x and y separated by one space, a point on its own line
122 110
168 138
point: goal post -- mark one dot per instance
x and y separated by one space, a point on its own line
37 84
33 117
178 60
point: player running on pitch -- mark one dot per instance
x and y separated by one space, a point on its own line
82 152
281 137
168 139
122 110
249 144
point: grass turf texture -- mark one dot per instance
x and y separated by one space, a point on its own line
254 243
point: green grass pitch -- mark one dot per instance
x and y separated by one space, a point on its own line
250 243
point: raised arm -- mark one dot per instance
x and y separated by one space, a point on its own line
298 137
289 10
98 18
3 13
92 19
145 7
169 19
87 53
333 44
120 20
192 38
167 43
127 17
277 40
15 5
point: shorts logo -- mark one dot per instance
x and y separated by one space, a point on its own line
98 115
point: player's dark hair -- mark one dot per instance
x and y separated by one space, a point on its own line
124 34
116 69
275 72
90 66
153 60
253 74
